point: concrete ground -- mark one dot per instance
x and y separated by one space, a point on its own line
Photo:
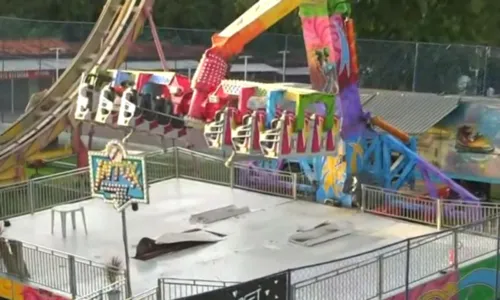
256 243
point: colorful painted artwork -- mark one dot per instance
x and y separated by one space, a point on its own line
474 281
324 42
13 290
477 281
443 288
117 177
466 144
335 169
333 177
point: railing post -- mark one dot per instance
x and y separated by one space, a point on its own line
497 267
72 276
294 186
20 268
231 176
455 249
159 290
363 197
407 275
487 56
176 161
380 286
30 196
415 68
439 213
290 286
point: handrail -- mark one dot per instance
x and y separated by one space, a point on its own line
429 238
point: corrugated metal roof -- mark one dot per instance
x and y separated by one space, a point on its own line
366 96
413 113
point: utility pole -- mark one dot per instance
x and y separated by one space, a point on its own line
283 53
245 59
58 50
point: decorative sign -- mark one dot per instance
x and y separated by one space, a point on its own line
118 178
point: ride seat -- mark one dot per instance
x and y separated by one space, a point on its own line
146 105
164 108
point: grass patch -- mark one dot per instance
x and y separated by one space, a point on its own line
68 160
52 167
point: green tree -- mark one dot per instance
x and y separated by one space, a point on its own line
429 20
452 21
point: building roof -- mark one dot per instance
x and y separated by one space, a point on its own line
413 113
144 50
16 65
366 96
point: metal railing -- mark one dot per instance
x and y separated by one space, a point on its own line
370 274
358 277
170 289
397 270
44 192
151 294
77 276
53 269
161 165
113 291
423 209
385 272
212 169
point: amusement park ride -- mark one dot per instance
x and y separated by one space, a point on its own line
324 129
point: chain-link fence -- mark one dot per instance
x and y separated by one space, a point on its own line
28 60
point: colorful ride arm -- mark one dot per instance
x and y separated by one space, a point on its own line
313 101
213 65
304 102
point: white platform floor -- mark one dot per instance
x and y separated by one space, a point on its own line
256 244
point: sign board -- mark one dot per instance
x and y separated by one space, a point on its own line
117 177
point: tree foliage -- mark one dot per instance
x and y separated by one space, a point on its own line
473 21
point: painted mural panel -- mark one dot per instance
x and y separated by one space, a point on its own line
466 144
443 288
14 290
477 281
471 282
